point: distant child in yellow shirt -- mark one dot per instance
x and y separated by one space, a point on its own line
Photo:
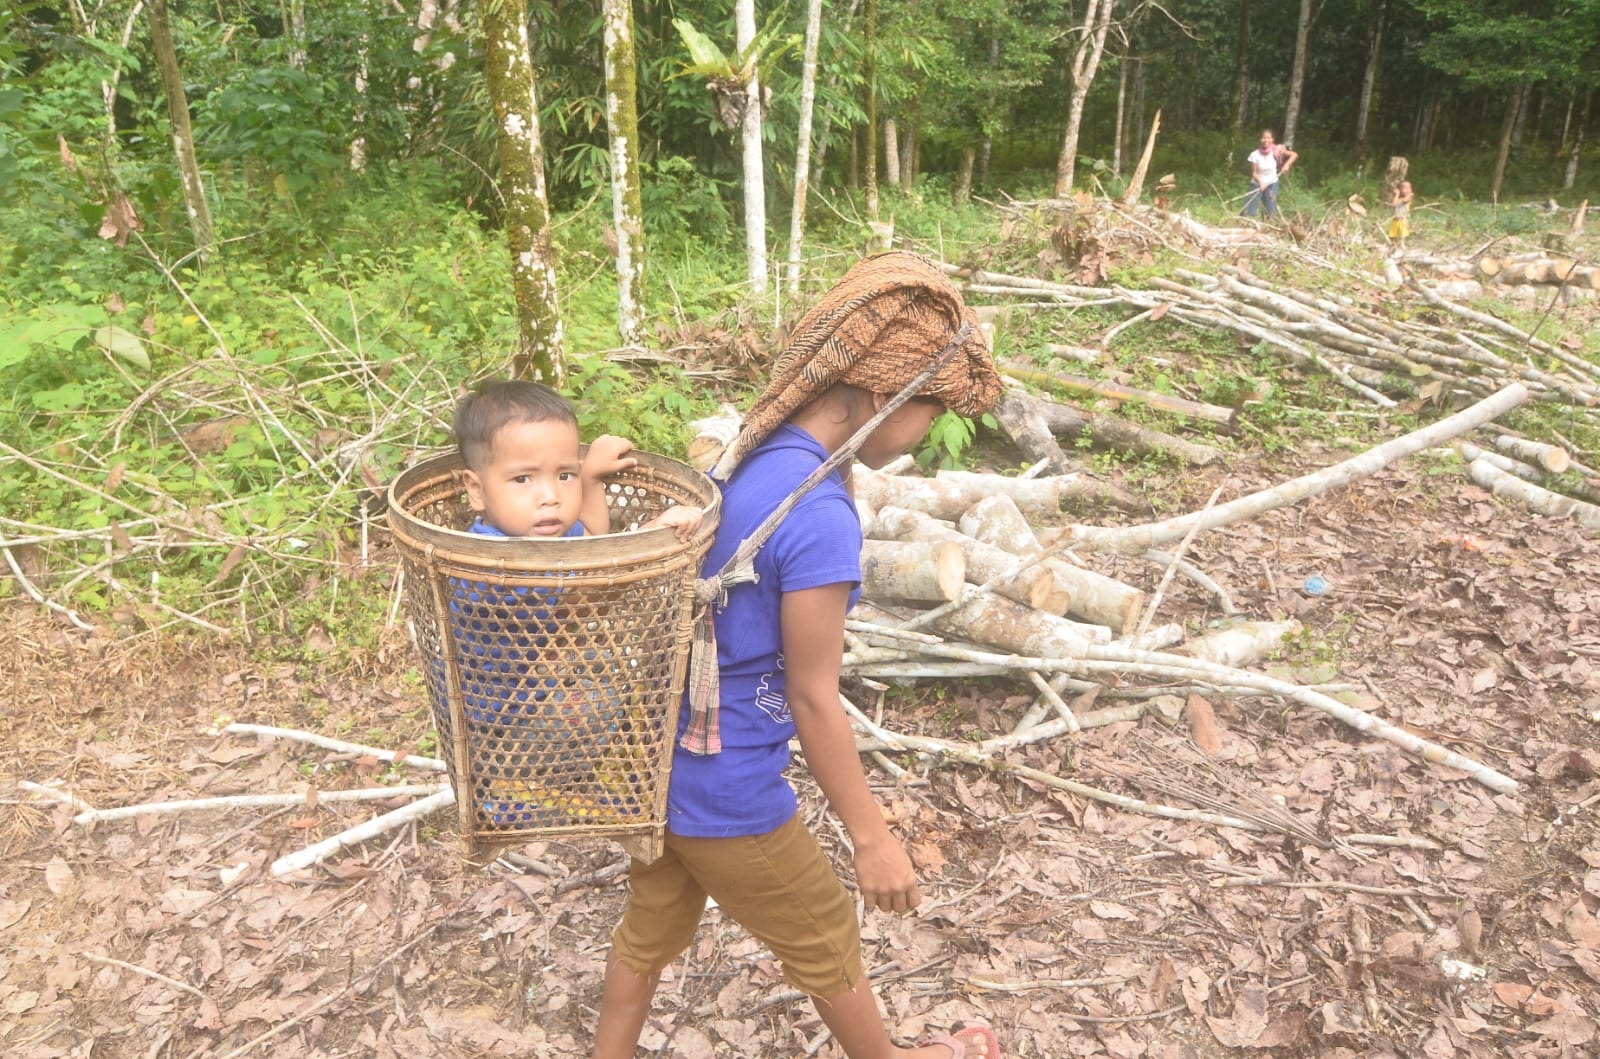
1400 226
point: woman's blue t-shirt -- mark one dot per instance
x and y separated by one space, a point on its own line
742 790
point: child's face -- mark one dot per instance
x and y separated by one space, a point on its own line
531 485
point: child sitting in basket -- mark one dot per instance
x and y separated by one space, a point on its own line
524 477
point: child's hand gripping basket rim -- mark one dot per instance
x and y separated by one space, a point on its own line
554 668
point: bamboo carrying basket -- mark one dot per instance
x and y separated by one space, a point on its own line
554 668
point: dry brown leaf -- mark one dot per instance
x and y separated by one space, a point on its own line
1203 724
1512 994
58 877
229 561
1582 926
927 857
120 541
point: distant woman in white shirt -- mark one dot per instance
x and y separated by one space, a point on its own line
1267 166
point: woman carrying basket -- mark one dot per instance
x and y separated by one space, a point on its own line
732 829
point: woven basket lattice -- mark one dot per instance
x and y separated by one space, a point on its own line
554 667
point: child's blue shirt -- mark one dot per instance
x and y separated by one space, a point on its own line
499 631
742 789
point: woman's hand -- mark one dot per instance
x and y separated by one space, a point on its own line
883 871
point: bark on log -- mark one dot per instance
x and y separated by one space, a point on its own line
1535 498
1552 458
1081 354
951 492
1464 290
1113 432
711 436
1138 539
1008 625
1030 433
1091 597
1544 270
1240 645
996 520
1035 587
926 572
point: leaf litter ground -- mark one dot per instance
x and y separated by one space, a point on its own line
1076 928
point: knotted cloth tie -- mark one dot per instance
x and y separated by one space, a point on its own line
873 329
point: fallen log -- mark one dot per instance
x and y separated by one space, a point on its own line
1112 432
1464 290
1542 271
1036 588
1029 431
950 493
711 435
1091 596
1552 458
1081 354
999 622
998 521
1535 498
1112 391
921 571
1240 645
1138 539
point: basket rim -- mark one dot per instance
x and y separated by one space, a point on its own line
597 551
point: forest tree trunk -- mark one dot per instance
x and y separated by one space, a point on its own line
1122 114
194 193
871 146
963 189
358 118
891 152
1513 105
1241 71
527 207
1368 80
755 186
627 210
1085 61
1297 79
108 89
294 28
802 151
986 148
1577 142
910 155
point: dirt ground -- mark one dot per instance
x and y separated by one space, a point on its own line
1075 928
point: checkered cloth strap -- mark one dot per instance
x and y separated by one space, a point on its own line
703 735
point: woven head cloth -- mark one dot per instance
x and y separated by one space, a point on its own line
876 329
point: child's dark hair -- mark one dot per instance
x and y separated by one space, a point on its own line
500 403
